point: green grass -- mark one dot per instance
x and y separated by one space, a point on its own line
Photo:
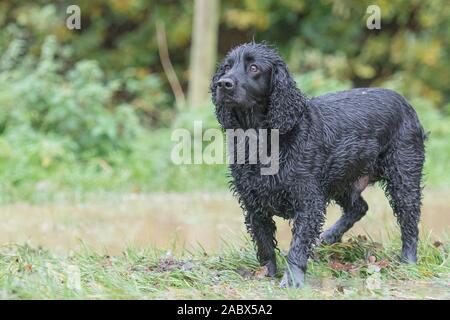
355 269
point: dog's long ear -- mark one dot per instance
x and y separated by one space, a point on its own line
223 114
286 102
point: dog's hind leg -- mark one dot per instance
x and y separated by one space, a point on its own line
262 228
354 207
402 173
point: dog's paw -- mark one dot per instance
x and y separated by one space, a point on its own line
271 269
294 277
268 269
408 258
329 237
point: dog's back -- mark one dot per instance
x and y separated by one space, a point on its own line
374 112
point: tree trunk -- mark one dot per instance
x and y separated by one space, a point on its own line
203 50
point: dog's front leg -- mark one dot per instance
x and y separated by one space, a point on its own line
262 229
307 224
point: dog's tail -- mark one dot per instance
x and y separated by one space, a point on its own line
424 134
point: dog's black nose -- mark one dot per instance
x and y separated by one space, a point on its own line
225 83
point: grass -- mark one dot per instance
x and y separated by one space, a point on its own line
147 246
356 269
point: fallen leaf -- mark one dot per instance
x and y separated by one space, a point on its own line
383 263
261 272
362 238
438 244
336 255
336 265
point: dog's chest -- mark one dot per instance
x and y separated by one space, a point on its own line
263 192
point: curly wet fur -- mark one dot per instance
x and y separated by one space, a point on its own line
331 147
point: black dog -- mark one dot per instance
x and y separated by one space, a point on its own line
331 147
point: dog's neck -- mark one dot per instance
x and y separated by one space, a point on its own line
250 118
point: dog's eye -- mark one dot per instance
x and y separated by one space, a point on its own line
253 68
226 68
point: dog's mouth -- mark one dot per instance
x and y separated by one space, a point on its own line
231 101
226 98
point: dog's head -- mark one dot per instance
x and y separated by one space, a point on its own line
253 82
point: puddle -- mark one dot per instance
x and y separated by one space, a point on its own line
180 220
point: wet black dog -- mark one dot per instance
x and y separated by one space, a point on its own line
330 148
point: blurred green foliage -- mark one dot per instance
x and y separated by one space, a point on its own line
76 105
331 35
91 109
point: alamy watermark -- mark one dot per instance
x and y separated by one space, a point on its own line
73 21
374 19
251 146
